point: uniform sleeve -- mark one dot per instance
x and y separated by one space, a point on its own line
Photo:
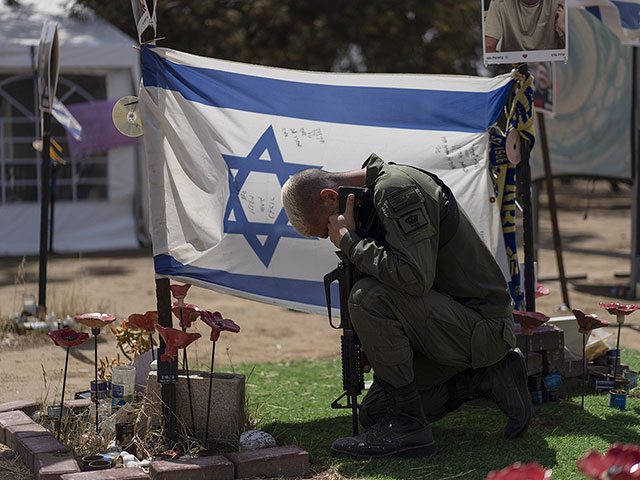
493 22
408 260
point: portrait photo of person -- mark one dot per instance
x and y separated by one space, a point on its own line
543 95
524 26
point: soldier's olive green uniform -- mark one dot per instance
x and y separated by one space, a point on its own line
425 312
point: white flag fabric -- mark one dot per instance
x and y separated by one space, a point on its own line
66 119
221 138
621 17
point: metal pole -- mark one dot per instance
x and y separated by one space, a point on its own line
553 210
45 193
168 390
524 184
635 191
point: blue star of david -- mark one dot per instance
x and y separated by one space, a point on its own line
252 163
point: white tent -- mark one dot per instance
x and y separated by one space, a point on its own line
98 197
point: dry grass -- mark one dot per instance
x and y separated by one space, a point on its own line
13 469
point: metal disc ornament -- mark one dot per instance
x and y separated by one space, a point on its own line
513 147
126 116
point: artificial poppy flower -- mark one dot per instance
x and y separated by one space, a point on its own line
529 321
94 320
588 322
620 311
144 321
175 340
180 291
190 313
218 324
621 462
541 290
67 337
521 471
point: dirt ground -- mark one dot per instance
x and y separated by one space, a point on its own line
595 225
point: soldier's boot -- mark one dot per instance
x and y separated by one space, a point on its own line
402 432
505 383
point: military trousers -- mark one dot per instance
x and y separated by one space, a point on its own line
427 338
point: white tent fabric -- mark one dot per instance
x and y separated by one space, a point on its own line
87 46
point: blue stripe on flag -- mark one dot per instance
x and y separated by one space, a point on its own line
595 11
371 106
629 14
297 291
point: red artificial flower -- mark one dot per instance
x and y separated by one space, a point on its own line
146 321
621 462
541 290
175 340
67 337
180 291
218 324
190 313
95 320
588 322
618 309
521 471
529 321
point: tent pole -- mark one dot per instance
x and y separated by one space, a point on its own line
524 185
553 210
635 190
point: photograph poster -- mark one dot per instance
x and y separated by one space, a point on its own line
517 31
544 95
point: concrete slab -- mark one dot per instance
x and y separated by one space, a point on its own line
24 405
227 405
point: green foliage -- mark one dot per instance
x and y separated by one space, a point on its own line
295 399
358 35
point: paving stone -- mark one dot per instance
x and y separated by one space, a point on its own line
534 363
14 417
13 433
286 461
26 406
133 473
29 448
77 405
50 466
201 468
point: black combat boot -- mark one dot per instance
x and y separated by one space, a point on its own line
403 432
505 383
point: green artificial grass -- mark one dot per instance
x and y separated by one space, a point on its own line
292 401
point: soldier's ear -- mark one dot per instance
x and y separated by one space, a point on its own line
328 196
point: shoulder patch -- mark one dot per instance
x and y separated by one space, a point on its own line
404 199
412 221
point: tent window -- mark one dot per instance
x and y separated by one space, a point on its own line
83 178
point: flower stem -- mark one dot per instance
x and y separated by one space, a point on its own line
206 428
95 363
153 355
584 365
64 384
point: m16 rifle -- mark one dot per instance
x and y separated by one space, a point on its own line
353 360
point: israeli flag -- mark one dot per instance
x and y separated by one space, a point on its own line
221 138
621 17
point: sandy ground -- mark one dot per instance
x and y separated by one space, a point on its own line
596 247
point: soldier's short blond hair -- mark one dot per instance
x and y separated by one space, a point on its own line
301 197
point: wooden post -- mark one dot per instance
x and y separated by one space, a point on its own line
553 210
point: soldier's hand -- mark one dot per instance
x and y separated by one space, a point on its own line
340 224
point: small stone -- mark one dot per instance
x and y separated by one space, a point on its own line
254 439
8 455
